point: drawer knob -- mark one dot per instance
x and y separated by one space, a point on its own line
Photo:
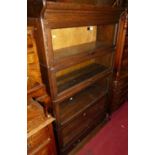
71 98
84 114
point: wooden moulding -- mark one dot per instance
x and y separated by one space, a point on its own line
41 126
72 14
78 15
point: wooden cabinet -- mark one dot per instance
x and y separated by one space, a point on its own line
120 78
33 69
40 135
76 46
35 87
83 121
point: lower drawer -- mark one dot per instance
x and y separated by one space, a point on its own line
38 140
72 130
46 150
43 149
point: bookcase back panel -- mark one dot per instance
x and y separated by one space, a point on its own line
106 34
107 60
66 37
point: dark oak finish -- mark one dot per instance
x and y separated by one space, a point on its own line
35 87
39 131
76 77
82 122
40 135
80 53
87 48
107 14
33 69
70 107
120 79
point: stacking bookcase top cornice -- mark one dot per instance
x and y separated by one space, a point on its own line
58 15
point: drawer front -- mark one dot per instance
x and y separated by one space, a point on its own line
37 139
46 150
72 130
43 150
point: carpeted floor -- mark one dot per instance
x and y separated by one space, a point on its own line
112 139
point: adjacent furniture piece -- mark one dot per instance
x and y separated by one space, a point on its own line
76 46
33 69
40 137
35 87
41 140
120 78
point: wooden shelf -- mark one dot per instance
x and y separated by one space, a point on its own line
86 48
82 52
66 81
70 108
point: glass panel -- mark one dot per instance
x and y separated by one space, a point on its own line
67 37
70 107
75 40
76 74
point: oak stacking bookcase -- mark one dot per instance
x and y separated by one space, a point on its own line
76 46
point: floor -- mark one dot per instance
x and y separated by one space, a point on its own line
110 139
